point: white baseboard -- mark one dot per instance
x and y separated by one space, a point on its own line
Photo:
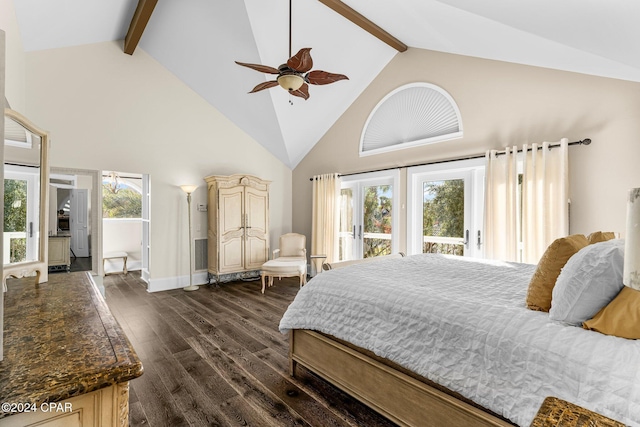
176 282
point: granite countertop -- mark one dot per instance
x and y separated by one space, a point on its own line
60 341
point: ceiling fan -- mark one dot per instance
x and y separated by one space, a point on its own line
296 75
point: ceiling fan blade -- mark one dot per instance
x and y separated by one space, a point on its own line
261 68
303 92
301 61
319 77
264 85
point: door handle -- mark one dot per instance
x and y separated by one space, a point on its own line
354 231
359 232
466 238
30 229
479 239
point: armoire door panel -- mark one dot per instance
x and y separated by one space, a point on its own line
231 208
256 252
232 258
257 210
257 214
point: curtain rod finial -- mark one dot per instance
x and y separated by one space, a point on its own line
586 141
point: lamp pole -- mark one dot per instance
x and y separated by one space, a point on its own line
190 189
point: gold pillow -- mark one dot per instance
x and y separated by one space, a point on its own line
600 236
548 270
621 317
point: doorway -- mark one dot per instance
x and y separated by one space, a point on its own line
125 222
74 194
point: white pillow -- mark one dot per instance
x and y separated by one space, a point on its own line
589 281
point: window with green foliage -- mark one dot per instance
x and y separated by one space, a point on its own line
445 208
15 217
377 221
123 201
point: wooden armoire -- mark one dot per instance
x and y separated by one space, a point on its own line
238 226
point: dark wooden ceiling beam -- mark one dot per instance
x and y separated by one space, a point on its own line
364 23
138 24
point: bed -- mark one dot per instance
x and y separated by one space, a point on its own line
442 340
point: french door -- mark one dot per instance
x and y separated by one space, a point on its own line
446 208
368 215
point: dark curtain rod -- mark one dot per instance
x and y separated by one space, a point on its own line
585 141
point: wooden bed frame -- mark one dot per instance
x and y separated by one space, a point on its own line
389 390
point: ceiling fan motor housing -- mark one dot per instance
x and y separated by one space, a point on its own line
289 79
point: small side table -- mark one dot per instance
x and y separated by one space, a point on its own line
314 269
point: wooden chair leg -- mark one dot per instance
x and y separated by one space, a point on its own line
262 282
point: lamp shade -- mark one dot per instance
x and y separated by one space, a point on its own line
188 188
290 81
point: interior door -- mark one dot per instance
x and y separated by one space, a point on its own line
79 222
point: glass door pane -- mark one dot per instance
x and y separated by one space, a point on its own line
347 229
15 220
443 216
377 221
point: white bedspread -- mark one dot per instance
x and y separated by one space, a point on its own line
463 324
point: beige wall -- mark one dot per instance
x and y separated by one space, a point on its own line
109 111
122 234
15 61
502 104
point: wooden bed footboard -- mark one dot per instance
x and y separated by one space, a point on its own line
394 394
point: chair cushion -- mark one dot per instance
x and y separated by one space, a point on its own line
285 265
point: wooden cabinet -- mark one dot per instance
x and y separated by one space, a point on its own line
59 251
107 407
238 230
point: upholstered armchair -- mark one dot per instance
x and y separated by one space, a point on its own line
289 260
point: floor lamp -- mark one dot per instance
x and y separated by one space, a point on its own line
190 189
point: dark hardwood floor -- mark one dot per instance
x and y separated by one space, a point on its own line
215 357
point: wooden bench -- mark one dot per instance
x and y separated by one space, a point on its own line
115 255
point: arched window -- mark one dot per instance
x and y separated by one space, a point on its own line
121 196
411 115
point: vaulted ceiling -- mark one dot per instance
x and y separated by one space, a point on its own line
199 40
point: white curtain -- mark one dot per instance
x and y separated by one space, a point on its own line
537 213
501 217
545 198
325 216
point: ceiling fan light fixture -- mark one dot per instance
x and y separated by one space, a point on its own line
290 82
